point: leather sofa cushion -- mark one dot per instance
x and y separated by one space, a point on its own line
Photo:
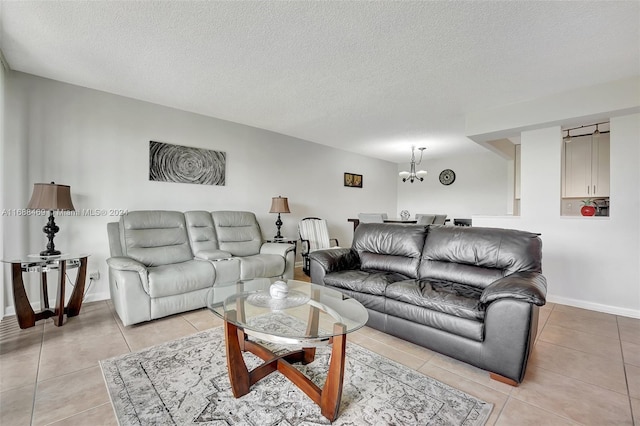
367 282
478 256
201 231
390 247
155 237
369 301
179 278
451 298
261 265
469 328
238 232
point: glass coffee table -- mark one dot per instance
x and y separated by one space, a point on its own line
321 316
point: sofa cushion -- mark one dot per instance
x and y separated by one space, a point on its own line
451 298
478 256
465 327
238 232
201 232
155 237
368 282
390 247
178 278
261 265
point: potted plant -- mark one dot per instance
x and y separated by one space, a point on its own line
588 207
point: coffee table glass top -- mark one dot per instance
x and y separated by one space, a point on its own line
307 315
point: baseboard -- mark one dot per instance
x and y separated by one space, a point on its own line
598 307
92 297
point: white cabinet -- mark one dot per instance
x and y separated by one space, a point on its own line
586 167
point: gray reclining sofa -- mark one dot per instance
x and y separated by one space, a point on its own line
165 262
469 293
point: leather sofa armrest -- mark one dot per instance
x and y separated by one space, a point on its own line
527 286
276 248
213 255
336 259
126 264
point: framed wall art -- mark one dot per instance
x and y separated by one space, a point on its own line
184 164
353 180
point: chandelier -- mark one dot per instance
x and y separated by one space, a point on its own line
412 174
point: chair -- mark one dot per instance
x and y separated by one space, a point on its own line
440 219
314 235
372 217
425 219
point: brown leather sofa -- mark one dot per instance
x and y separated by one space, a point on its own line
467 292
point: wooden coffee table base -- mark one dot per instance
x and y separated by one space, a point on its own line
328 398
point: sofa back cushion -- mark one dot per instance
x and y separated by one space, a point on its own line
478 256
389 247
201 232
155 237
238 232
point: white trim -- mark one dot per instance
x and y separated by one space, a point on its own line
607 309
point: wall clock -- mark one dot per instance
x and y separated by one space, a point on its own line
447 177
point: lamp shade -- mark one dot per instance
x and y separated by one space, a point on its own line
50 196
279 205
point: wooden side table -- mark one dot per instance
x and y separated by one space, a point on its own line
24 312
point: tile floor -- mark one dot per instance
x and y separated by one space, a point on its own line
585 367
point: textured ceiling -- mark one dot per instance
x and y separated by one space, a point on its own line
368 77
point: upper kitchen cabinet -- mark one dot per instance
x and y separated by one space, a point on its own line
586 166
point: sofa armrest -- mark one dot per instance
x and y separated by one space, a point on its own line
213 255
527 286
336 259
126 264
277 248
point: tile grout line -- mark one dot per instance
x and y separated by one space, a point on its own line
624 369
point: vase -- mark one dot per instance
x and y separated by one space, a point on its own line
588 211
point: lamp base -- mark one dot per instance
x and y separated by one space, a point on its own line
46 253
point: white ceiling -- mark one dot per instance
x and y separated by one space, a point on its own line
368 77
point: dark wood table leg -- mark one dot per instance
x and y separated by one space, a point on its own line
332 390
45 290
238 372
75 302
24 312
58 317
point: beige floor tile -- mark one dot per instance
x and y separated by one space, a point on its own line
155 332
583 312
631 352
102 415
629 329
498 399
522 414
55 360
404 346
543 317
635 407
605 372
596 323
19 368
390 352
586 342
470 372
68 395
574 399
203 319
16 406
13 338
96 321
633 379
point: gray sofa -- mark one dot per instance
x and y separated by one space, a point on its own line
467 292
165 262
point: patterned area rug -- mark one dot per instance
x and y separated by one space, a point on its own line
185 382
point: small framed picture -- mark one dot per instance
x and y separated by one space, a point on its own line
353 180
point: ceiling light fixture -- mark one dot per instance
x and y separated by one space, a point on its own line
596 133
567 138
412 174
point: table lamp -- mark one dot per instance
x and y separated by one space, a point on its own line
279 205
50 196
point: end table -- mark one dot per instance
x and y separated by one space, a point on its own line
24 312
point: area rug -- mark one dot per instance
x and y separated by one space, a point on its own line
185 382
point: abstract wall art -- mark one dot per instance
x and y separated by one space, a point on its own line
184 164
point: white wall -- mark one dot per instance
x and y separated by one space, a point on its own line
2 156
98 143
481 187
589 262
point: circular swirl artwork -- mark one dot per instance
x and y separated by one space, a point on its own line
183 164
